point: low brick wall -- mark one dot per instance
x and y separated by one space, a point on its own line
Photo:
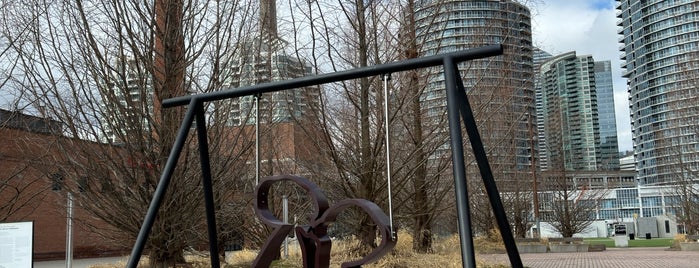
567 244
689 246
530 245
565 240
597 248
557 248
531 248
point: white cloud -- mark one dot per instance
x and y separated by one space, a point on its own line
579 25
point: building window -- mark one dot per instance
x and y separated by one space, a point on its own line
83 185
652 201
627 197
56 181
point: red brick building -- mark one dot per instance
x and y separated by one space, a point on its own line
33 165
33 187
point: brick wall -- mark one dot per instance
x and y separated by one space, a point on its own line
27 162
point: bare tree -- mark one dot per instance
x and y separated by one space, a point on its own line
103 70
500 91
26 148
22 185
352 138
425 194
569 208
678 146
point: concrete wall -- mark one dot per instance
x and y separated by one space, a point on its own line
667 226
656 226
647 225
596 229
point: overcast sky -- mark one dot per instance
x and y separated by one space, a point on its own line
589 28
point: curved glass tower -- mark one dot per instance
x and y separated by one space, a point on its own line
500 89
577 111
659 45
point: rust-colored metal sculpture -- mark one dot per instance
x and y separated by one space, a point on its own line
313 238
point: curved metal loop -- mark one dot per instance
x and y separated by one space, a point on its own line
270 250
313 239
377 216
319 200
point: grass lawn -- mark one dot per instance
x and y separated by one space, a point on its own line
655 242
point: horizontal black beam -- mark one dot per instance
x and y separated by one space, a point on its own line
398 66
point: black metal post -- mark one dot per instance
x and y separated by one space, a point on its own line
462 209
485 170
206 183
162 186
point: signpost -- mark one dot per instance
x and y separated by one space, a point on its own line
621 240
16 239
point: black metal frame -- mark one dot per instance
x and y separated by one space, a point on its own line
458 108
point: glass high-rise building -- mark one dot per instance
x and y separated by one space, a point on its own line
576 99
263 58
540 56
609 142
659 45
500 89
127 101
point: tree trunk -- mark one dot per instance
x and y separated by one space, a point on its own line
367 176
422 229
422 225
168 82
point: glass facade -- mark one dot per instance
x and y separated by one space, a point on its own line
660 47
606 116
627 198
576 106
259 61
641 201
540 57
500 89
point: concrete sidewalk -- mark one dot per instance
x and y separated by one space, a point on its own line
82 263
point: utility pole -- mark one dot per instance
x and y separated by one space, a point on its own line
69 232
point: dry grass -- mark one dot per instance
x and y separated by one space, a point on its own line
446 253
676 241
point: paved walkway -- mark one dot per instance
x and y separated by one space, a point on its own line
613 257
81 263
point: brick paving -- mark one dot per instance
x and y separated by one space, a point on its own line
613 257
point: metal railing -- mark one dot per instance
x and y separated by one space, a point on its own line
458 109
